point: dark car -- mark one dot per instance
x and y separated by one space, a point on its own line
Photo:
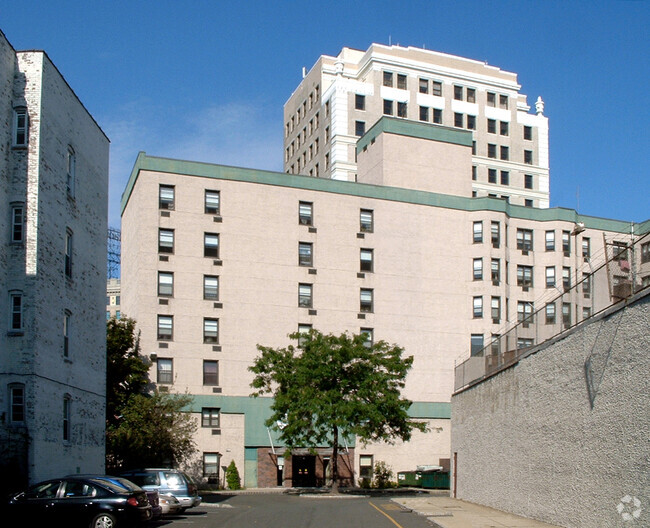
94 502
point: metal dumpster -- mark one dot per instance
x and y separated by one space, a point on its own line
412 479
435 479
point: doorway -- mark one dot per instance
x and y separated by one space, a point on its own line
304 471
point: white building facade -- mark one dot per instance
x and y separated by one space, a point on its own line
53 210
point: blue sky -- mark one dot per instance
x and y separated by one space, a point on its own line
206 80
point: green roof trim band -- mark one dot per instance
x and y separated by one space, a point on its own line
404 127
396 194
257 410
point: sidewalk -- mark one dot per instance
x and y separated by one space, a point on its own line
445 512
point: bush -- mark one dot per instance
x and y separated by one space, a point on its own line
232 477
383 476
365 483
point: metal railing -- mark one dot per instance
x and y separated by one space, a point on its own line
603 279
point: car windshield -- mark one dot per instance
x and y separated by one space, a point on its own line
144 479
117 485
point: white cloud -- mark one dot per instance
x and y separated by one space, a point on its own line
232 134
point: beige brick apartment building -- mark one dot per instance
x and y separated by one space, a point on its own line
217 259
53 209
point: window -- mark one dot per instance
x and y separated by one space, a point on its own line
401 81
401 109
165 284
496 310
366 466
524 276
505 152
471 95
305 254
424 113
528 203
495 230
550 276
210 372
436 88
366 262
165 327
423 86
619 251
305 213
550 313
505 177
566 314
366 301
471 122
524 342
210 330
476 344
525 312
477 269
491 126
437 116
305 295
21 127
68 254
368 333
550 241
359 128
211 287
211 245
503 102
458 93
388 78
17 403
165 371
586 312
211 464
70 173
566 278
212 202
525 239
586 248
166 197
645 252
477 232
16 306
17 223
366 221
491 99
66 333
492 175
458 120
586 284
474 172
528 157
359 102
66 417
477 303
528 132
528 181
492 150
165 240
496 271
473 147
303 330
566 243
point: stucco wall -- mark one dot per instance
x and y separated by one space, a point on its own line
529 441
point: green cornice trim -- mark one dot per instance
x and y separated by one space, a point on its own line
396 194
257 410
416 129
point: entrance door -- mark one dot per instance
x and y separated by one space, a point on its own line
304 471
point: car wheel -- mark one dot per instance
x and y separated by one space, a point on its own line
103 520
182 510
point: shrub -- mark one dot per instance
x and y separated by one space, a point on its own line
232 477
383 476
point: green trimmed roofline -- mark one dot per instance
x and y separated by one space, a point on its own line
380 192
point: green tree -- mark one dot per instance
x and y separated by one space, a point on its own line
335 385
143 427
232 476
153 431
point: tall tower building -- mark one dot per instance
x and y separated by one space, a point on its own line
342 97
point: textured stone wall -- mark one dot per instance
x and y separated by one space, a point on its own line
529 440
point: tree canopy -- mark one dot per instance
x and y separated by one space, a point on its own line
143 426
332 385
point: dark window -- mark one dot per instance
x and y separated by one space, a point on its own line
492 175
437 116
491 99
17 403
366 260
21 128
476 344
528 132
359 102
66 417
550 313
528 181
17 223
528 203
16 312
210 330
388 107
474 172
165 240
366 300
401 81
210 416
359 128
503 101
211 245
492 126
525 239
436 88
528 157
401 109
566 243
458 120
505 152
503 128
505 178
471 95
423 86
471 122
68 254
212 202
366 221
525 276
424 113
388 78
305 254
67 316
210 372
458 93
305 295
492 150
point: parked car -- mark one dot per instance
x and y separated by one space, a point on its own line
95 502
168 482
170 505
